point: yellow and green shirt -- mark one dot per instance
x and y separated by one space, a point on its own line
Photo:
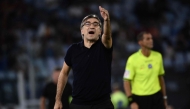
143 72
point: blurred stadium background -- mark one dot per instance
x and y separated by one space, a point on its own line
35 35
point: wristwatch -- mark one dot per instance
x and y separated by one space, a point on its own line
165 97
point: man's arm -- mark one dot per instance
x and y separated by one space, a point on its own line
127 87
62 80
106 36
163 89
162 82
42 103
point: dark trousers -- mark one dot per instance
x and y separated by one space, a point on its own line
103 105
154 101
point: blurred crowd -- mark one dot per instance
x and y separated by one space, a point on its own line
36 34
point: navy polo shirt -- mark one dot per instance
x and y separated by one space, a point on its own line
92 72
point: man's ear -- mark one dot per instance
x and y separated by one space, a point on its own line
82 32
140 42
101 32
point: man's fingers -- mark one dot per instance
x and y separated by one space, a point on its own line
102 10
104 13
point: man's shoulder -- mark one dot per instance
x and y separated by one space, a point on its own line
134 55
76 45
50 83
155 53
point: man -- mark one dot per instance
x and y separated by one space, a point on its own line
49 92
90 61
143 77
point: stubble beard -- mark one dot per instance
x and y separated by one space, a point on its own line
92 39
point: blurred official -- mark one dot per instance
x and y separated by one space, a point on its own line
143 77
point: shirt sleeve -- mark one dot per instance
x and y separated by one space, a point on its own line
161 72
129 70
44 91
68 56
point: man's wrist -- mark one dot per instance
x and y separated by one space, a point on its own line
107 20
57 99
131 99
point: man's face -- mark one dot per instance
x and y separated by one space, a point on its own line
91 29
147 41
55 76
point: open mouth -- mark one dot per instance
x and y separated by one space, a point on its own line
91 32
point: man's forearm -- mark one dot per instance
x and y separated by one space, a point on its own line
163 89
106 37
107 29
61 85
162 84
42 103
127 88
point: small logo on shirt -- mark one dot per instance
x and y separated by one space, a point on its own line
149 66
126 74
141 67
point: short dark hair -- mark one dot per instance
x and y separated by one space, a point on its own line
57 69
140 35
90 16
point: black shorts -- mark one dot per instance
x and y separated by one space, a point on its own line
154 101
107 104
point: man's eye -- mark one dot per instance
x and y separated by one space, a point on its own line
95 24
87 23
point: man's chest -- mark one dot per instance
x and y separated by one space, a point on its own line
147 66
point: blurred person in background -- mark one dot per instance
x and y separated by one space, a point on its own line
187 105
49 92
118 97
143 78
90 61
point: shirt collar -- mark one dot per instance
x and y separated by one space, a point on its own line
143 55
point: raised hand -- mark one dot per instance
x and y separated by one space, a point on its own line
104 13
